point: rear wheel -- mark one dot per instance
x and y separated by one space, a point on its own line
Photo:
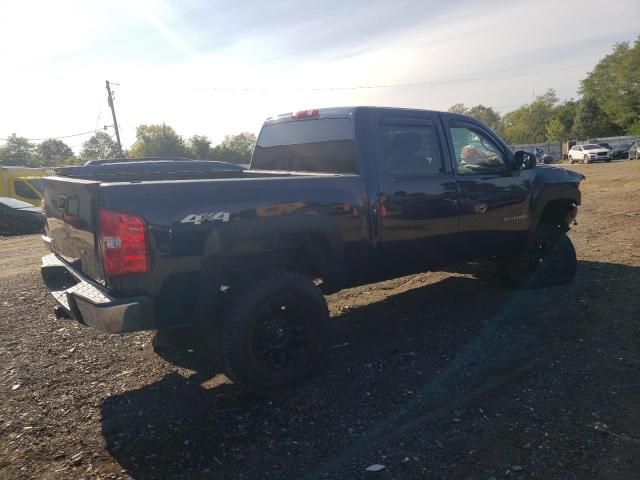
570 159
549 259
275 332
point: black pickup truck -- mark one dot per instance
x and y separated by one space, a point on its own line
333 198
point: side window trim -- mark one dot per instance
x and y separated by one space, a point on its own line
406 122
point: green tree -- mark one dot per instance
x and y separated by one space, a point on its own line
234 148
486 115
528 123
555 130
514 126
99 147
458 108
199 147
158 141
591 121
18 151
566 113
614 84
634 129
54 152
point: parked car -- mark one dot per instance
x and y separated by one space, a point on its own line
23 183
333 198
542 157
634 151
621 152
17 217
605 145
590 152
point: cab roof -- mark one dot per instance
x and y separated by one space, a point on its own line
332 112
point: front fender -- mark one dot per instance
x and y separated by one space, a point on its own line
554 184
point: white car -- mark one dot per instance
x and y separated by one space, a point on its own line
590 152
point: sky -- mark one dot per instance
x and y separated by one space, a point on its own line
221 67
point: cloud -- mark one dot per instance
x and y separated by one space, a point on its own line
165 55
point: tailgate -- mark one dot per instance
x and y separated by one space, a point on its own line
71 223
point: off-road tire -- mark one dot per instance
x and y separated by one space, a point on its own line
548 260
244 318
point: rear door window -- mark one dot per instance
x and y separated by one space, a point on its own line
320 145
411 150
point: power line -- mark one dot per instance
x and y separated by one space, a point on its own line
57 138
394 85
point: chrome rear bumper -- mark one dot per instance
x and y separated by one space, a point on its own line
92 305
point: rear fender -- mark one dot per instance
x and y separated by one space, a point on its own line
311 252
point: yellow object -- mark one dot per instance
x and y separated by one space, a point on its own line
23 183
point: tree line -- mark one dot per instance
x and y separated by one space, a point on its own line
609 105
151 141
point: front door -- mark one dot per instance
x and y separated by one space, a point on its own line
418 198
495 195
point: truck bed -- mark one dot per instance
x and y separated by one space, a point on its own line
193 215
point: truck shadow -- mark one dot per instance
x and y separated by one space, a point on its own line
392 361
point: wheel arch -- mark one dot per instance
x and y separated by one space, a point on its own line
226 262
560 212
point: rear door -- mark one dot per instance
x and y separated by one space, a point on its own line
70 207
418 198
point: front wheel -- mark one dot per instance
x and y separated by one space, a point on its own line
570 160
586 159
548 260
275 331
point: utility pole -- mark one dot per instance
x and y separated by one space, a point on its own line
113 113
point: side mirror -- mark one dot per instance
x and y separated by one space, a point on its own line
523 160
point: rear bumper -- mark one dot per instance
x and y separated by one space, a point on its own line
92 305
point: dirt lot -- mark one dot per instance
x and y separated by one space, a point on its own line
438 375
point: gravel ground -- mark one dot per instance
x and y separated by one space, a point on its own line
438 375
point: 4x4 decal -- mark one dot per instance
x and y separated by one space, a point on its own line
198 218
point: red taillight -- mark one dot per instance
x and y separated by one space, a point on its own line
123 243
306 114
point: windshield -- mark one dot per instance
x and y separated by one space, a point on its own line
591 147
36 183
13 203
